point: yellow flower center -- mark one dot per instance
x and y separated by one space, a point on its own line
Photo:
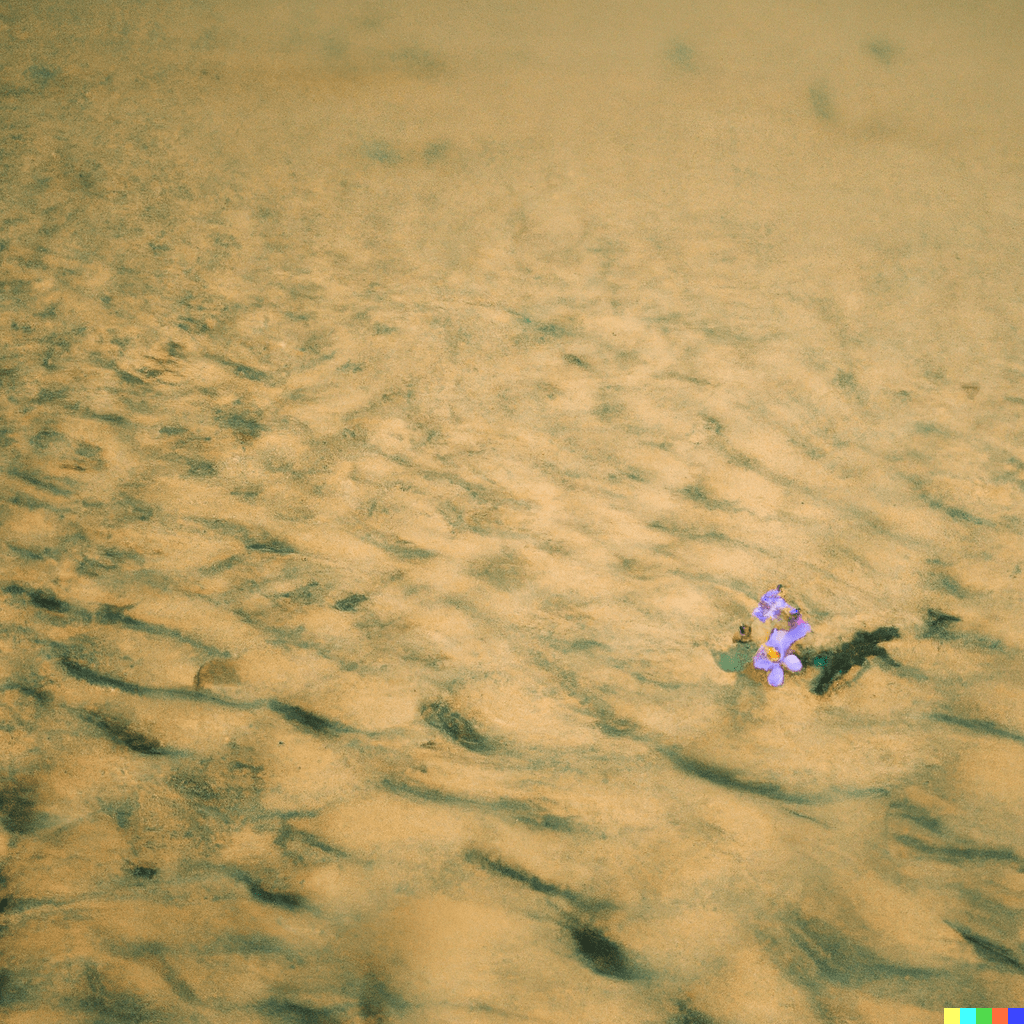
773 655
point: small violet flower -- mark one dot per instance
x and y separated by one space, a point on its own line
774 655
771 606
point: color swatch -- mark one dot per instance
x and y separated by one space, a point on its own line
964 1015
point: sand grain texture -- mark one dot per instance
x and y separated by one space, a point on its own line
400 407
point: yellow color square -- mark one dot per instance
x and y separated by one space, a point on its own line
951 1016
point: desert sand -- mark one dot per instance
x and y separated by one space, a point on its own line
402 406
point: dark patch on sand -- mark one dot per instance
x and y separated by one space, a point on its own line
937 623
839 958
991 951
499 867
958 854
272 545
116 615
601 954
681 56
294 1013
289 900
836 662
496 866
377 1000
882 50
443 717
122 734
521 811
88 675
979 725
108 1003
48 601
731 780
18 809
307 719
688 1015
821 103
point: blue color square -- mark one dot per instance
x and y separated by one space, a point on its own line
1015 1016
968 1016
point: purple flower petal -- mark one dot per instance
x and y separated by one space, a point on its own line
762 661
775 676
797 632
792 662
778 641
771 605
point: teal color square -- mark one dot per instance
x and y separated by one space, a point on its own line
968 1016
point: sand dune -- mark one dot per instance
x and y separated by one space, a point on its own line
402 405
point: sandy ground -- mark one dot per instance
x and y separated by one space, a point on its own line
443 383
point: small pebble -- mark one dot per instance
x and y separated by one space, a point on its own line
217 673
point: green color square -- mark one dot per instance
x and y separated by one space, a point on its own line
984 1016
